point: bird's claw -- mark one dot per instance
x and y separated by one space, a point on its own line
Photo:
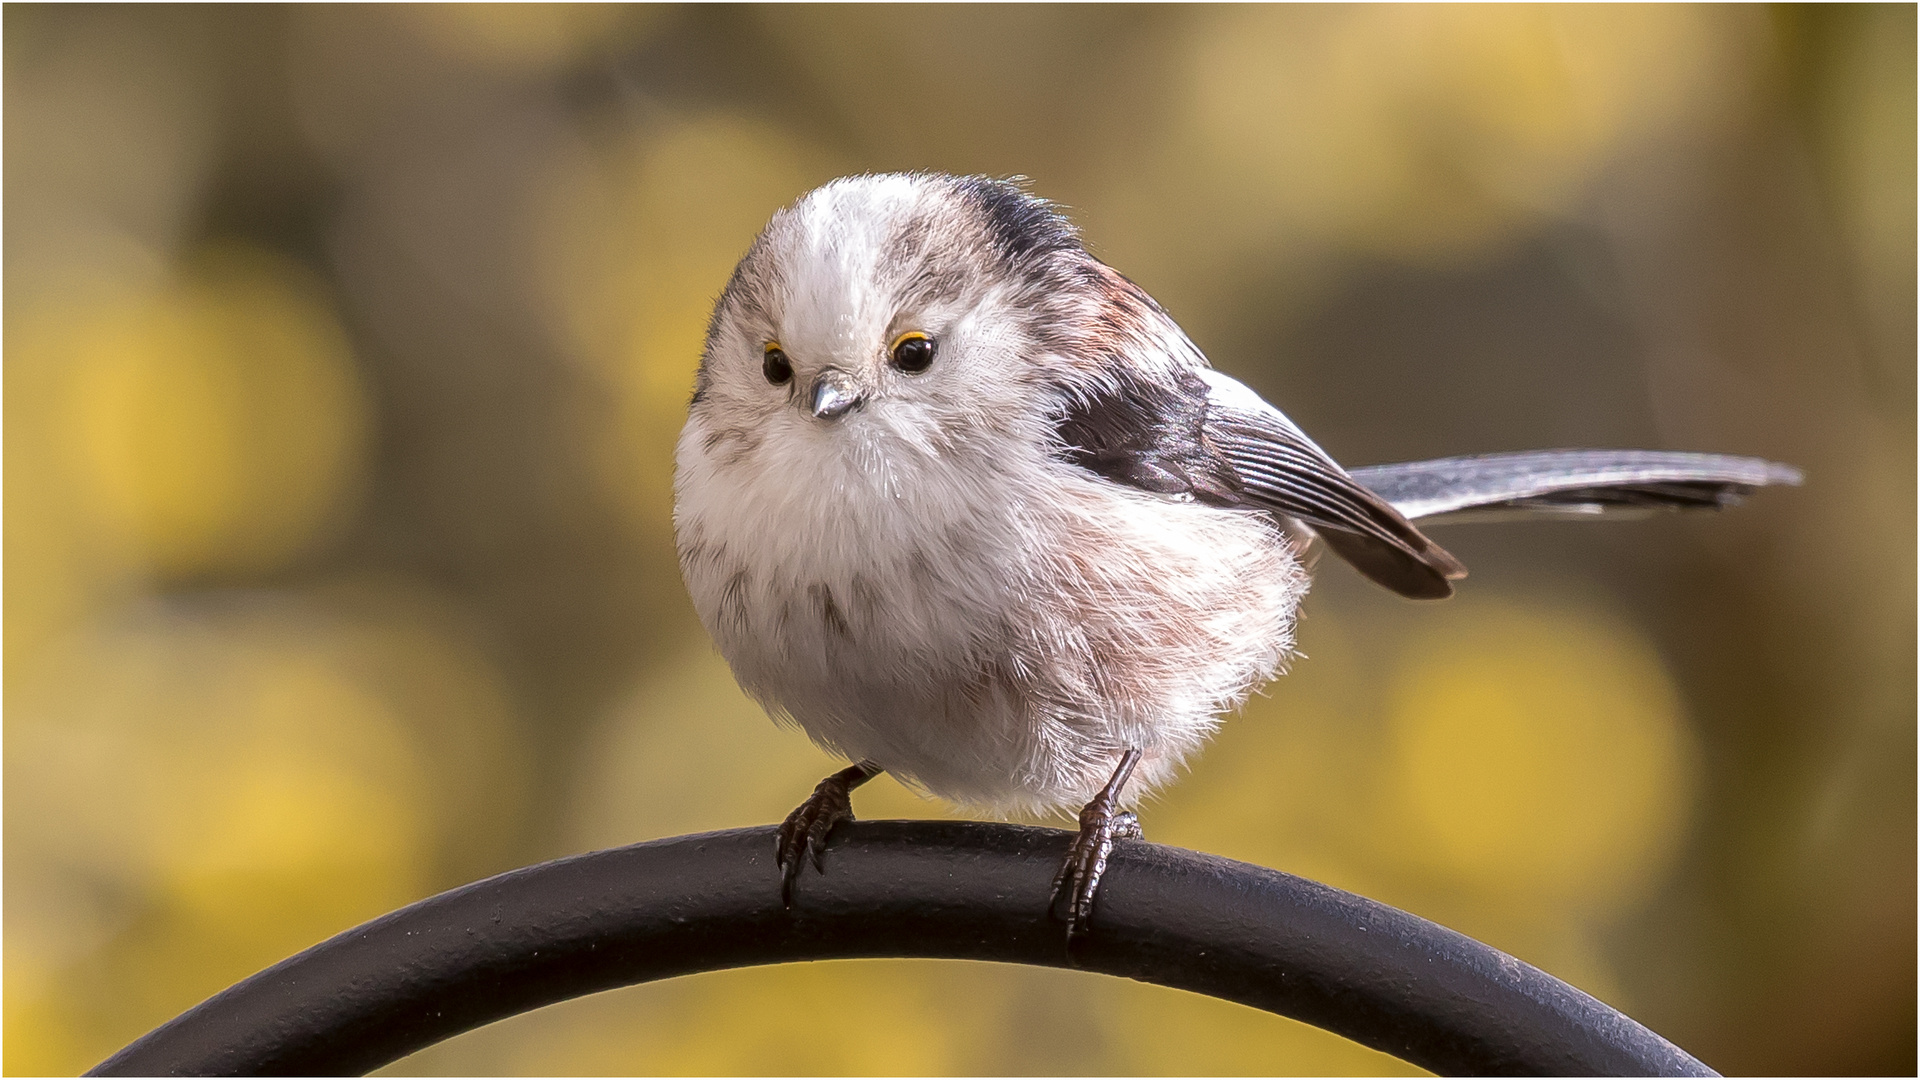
1079 877
803 836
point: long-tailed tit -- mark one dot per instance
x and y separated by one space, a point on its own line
967 506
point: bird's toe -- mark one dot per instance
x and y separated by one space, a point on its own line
803 836
1078 881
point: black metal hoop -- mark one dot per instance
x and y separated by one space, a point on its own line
954 890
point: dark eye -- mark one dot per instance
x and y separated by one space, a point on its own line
776 366
913 352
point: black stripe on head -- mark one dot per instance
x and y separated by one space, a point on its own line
1023 226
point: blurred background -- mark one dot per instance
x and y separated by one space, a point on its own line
346 347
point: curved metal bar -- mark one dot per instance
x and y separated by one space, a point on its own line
956 890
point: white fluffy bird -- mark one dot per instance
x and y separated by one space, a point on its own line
967 506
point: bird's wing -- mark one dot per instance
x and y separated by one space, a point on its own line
1210 437
1569 483
1283 471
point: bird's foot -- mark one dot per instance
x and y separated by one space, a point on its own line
803 835
1101 823
1079 877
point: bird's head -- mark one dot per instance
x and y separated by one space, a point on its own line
890 315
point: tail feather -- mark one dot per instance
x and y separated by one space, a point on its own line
1569 483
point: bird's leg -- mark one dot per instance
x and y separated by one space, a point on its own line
1101 823
804 834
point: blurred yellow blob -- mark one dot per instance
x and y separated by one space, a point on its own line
1428 131
1157 1031
1539 751
881 1018
852 1018
192 797
54 574
217 427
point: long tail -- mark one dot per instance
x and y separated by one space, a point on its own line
1569 483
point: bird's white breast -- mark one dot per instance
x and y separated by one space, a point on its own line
994 629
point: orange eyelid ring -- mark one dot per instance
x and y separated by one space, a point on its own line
772 346
908 336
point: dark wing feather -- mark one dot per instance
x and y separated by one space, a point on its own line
1569 483
1180 437
1151 436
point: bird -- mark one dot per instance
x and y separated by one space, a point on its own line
967 506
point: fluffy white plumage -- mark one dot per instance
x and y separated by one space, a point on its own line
926 581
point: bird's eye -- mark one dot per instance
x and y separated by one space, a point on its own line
775 365
913 352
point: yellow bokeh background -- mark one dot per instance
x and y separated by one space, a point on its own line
219 423
346 348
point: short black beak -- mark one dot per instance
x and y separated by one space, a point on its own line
834 394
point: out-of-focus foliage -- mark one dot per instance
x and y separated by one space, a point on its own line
346 348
